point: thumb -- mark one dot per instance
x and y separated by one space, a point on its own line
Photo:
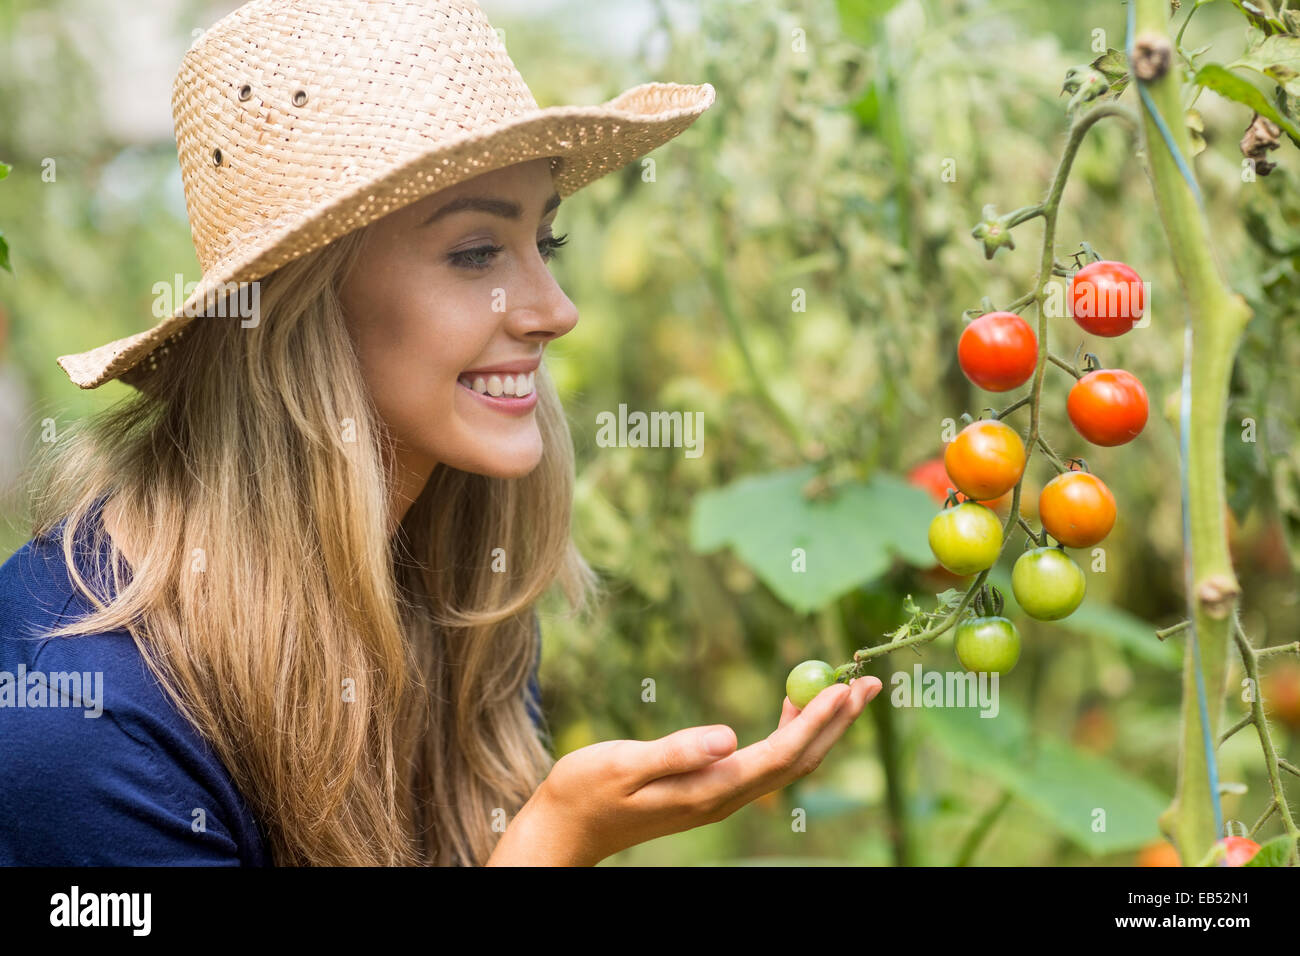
691 749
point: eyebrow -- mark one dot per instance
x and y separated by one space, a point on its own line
497 207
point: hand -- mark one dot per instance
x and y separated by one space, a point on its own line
612 795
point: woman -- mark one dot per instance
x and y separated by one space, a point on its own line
313 542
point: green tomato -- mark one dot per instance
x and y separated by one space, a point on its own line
966 539
1047 584
808 680
987 644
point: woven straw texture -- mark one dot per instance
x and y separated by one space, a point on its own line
298 121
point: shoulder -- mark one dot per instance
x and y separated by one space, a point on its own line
100 766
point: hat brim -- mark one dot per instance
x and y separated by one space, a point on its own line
587 142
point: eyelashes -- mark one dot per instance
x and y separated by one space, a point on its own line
481 257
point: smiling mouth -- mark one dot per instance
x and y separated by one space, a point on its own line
499 386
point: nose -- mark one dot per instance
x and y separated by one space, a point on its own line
540 310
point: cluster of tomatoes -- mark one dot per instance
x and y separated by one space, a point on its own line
998 352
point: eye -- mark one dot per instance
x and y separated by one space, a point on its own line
474 258
549 247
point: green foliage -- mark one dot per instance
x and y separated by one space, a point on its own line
1065 786
1228 84
847 540
1276 852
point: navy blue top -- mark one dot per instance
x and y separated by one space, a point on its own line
101 769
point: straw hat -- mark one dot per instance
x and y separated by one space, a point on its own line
298 121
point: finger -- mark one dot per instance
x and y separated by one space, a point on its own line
788 713
639 762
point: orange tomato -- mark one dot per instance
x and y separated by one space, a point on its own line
1160 853
986 459
931 476
1077 509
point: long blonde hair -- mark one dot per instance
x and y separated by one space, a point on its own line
366 693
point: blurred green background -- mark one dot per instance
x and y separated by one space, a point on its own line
824 173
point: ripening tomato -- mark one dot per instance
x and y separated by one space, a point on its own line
807 680
1160 853
966 539
931 476
1281 689
1108 406
986 459
1106 298
998 351
1239 850
987 645
1047 584
1077 509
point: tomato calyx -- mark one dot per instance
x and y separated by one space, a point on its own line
988 601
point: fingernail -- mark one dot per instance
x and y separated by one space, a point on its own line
717 742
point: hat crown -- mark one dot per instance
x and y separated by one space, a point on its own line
284 105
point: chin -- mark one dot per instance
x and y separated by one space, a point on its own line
506 462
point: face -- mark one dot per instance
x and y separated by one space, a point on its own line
454 292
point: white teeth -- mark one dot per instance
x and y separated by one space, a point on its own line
514 386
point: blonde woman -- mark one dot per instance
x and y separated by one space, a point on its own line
283 553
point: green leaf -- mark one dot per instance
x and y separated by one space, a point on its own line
1094 619
1277 57
1275 852
1065 786
1113 65
848 540
4 255
4 170
1214 77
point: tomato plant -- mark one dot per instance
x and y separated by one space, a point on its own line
1108 407
1048 584
1106 298
966 539
1077 509
986 459
998 351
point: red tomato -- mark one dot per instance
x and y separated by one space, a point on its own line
986 459
1239 849
998 351
1108 407
1106 298
1077 509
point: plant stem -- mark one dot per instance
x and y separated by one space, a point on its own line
981 829
1012 407
1062 363
1250 661
1217 318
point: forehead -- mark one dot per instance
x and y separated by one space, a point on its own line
522 181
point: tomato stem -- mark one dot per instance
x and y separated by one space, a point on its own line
1062 363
